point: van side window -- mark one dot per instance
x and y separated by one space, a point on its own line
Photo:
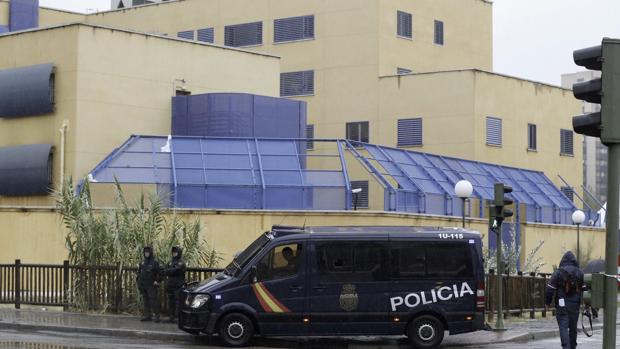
408 260
449 260
281 262
349 262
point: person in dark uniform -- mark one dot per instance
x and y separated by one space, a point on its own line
149 275
567 285
175 272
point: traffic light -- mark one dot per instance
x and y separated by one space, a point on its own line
500 201
606 91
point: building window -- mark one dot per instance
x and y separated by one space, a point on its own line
438 32
360 200
309 135
188 34
568 192
246 34
531 137
293 28
566 142
402 71
357 131
206 35
409 132
494 131
300 83
405 24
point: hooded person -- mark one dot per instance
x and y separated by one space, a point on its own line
567 285
149 275
175 272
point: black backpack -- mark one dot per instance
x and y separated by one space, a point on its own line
570 285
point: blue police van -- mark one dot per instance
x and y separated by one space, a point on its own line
344 281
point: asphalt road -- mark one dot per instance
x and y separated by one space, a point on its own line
56 340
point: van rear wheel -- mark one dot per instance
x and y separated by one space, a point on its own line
425 331
236 330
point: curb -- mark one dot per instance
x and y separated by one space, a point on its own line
154 335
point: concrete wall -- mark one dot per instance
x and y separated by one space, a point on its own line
52 17
229 231
105 97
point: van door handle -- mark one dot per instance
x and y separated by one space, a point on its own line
319 288
296 288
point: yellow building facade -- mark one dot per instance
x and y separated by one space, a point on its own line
103 97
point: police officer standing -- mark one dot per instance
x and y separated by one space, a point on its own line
175 271
149 274
567 285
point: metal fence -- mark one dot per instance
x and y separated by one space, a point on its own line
113 288
522 294
98 288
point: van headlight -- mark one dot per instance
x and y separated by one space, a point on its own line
199 300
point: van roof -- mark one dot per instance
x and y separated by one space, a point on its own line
392 231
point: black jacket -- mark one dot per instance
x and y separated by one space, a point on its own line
175 271
148 270
568 267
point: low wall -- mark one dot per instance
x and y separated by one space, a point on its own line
36 235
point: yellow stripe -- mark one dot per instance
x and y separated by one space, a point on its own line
268 300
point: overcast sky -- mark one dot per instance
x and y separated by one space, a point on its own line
533 39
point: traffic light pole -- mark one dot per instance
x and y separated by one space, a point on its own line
611 247
499 324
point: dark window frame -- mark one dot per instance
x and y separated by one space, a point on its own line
465 247
414 126
310 135
233 38
282 33
362 127
491 138
270 255
439 33
567 146
363 198
297 83
404 24
532 137
351 249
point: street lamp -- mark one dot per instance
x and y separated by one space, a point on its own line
355 192
463 189
578 218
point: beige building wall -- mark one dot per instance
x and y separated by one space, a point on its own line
44 230
355 42
58 46
468 36
52 17
454 106
104 97
4 12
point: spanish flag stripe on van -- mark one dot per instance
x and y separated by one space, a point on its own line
269 303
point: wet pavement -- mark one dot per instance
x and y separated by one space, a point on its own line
55 330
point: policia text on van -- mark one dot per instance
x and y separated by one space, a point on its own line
335 281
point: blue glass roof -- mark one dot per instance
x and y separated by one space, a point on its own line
254 173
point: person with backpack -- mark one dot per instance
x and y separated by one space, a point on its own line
567 285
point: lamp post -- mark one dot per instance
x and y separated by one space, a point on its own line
355 192
578 218
463 189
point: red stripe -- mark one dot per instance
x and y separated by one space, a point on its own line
285 309
261 301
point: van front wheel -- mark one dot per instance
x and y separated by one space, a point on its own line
236 330
425 331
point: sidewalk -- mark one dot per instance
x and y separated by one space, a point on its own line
521 330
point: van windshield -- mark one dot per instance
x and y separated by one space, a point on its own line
246 255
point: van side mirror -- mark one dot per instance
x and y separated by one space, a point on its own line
253 274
